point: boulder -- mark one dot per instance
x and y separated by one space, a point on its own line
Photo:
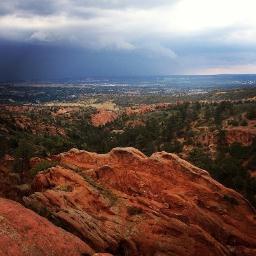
24 233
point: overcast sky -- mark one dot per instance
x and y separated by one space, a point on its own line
76 38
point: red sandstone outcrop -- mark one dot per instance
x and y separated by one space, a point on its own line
103 117
26 123
8 179
128 204
24 233
242 135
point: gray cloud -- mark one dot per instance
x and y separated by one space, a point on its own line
50 7
28 7
159 36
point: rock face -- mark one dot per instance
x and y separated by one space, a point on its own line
242 135
8 179
24 233
125 203
103 117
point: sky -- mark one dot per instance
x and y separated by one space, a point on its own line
52 39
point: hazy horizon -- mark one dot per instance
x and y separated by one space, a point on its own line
212 80
95 77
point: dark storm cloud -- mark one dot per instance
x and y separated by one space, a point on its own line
27 7
49 7
25 61
144 37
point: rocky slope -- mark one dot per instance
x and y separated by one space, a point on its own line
103 117
24 233
242 135
126 203
9 181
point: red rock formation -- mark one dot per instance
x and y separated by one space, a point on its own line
242 135
8 180
128 204
24 233
103 117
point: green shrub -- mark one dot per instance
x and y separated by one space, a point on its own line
244 123
41 167
233 122
134 210
64 187
251 114
239 151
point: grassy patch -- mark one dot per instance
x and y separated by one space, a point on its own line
134 210
104 191
41 167
64 187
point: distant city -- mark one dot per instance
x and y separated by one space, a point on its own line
72 89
